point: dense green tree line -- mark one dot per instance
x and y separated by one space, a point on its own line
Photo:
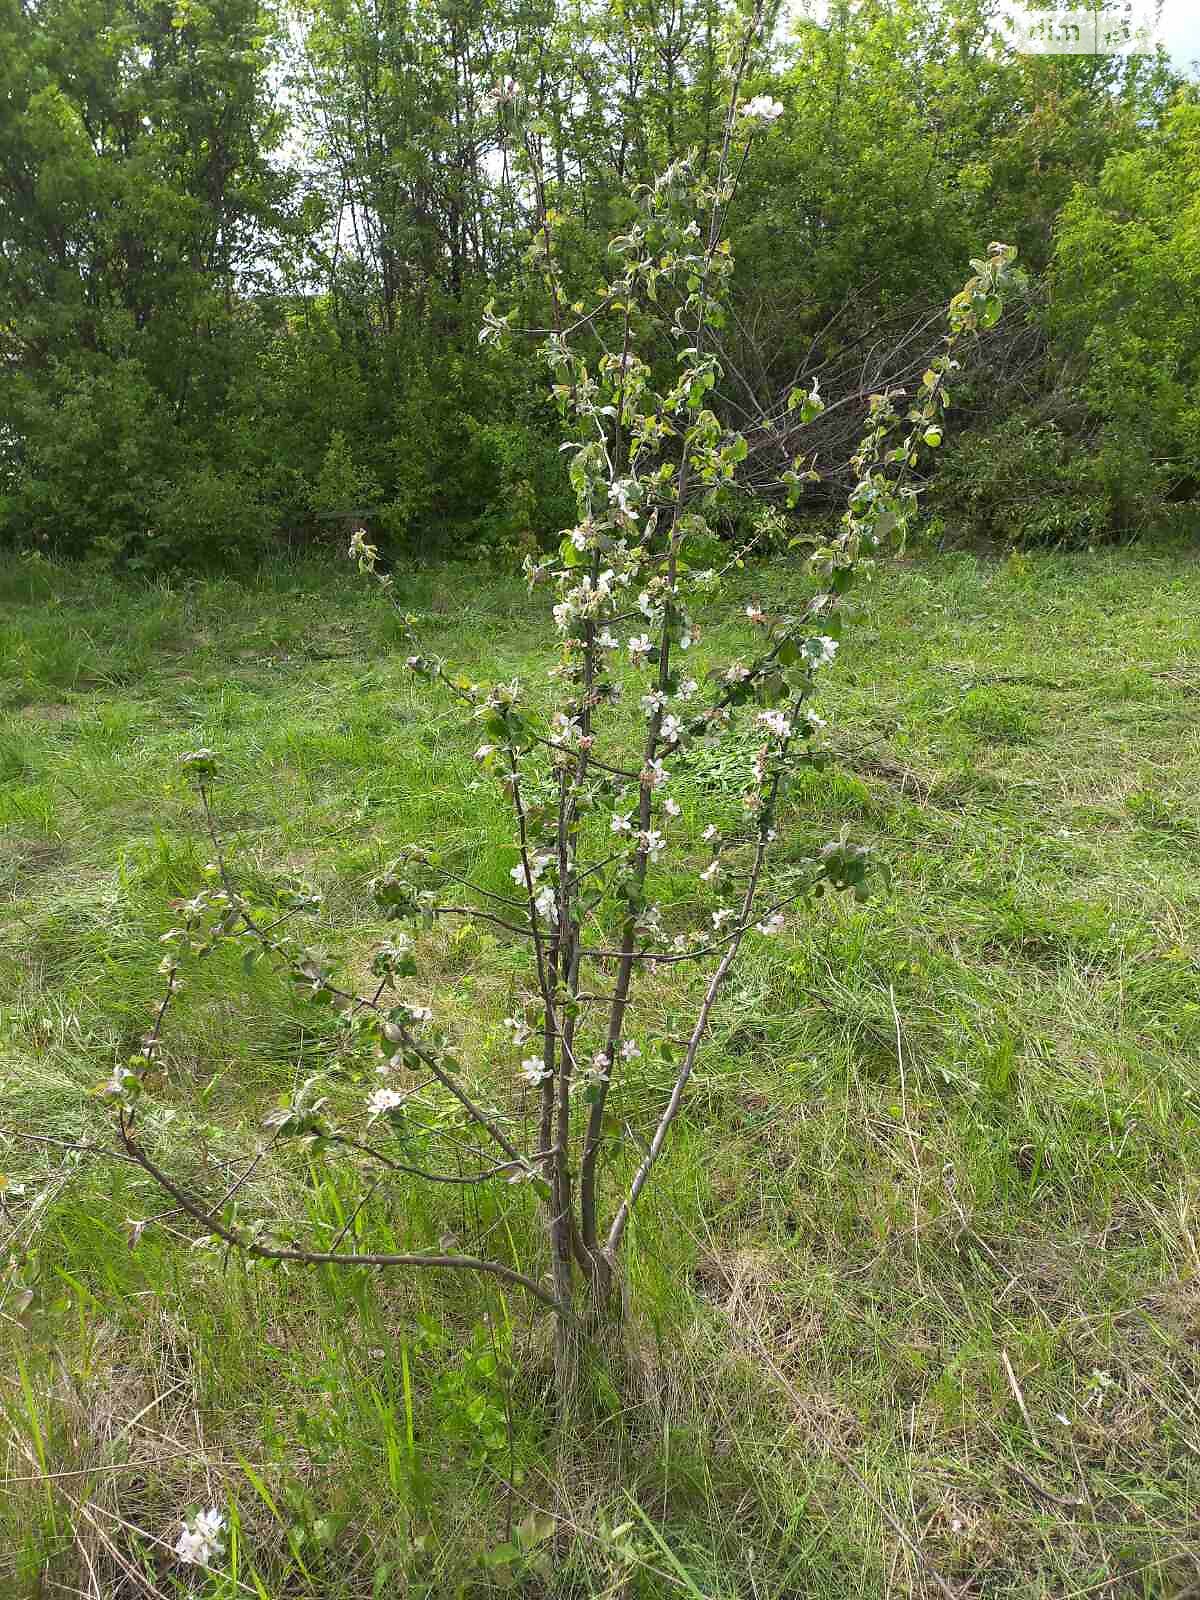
245 248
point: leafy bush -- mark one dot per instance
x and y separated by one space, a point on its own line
1126 303
202 517
81 456
1032 479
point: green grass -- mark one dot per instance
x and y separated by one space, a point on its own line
936 1188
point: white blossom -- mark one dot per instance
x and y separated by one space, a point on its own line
723 916
688 688
621 822
710 832
756 614
116 1085
505 92
630 1051
775 722
651 842
711 872
545 904
821 650
519 1028
762 108
772 924
654 775
484 751
654 701
640 647
671 807
537 866
737 673
383 1101
606 639
201 1540
670 728
502 695
534 1070
622 493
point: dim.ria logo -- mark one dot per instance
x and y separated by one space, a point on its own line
1126 27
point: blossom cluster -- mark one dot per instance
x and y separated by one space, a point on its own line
202 1538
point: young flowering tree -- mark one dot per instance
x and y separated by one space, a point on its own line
594 807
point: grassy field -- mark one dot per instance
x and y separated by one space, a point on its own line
915 1306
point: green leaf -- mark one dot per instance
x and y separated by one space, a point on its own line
535 1529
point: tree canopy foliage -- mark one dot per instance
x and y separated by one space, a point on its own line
245 248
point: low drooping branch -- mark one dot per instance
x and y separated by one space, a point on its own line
263 1252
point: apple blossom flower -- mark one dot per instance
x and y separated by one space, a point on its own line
671 807
519 1028
630 1051
640 647
504 92
762 109
534 1070
775 722
820 651
710 832
201 1539
670 728
537 866
688 688
621 822
382 1101
115 1086
772 924
546 906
